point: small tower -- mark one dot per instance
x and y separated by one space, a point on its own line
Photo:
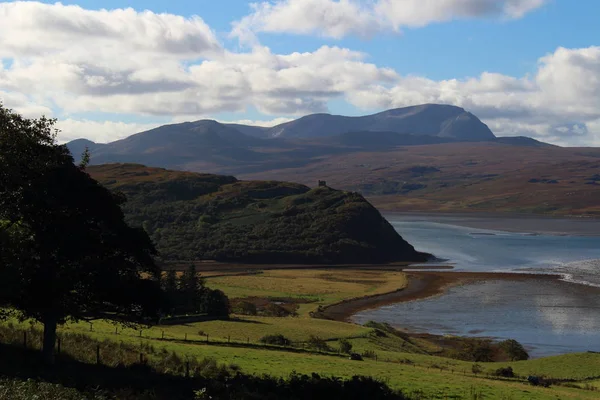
322 184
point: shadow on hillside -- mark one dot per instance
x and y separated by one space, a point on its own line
138 380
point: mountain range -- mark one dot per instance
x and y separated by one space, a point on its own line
426 157
210 146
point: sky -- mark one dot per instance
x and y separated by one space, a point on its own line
108 69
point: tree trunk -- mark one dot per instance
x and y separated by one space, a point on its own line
49 339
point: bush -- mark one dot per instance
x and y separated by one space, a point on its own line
514 350
215 303
478 350
505 372
369 354
345 346
278 340
317 343
245 308
476 369
275 310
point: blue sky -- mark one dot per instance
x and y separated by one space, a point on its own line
526 67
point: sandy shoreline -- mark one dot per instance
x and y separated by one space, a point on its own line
422 284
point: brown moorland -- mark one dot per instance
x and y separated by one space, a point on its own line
462 177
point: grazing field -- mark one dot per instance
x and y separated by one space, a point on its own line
320 287
404 362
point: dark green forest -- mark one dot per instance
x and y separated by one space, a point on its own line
193 216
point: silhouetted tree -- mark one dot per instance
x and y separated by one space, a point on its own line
215 303
66 252
169 285
192 289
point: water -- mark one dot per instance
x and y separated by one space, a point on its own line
548 317
472 249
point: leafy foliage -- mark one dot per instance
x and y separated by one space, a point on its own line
195 216
278 340
514 350
65 249
189 295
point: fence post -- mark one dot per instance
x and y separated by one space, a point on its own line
140 333
207 338
98 354
25 339
116 330
91 327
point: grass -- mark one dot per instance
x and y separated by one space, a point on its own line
403 364
322 287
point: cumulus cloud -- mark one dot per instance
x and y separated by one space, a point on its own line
32 29
560 103
99 132
339 18
125 62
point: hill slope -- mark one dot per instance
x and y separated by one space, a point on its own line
198 216
428 119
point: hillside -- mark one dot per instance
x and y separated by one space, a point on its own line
199 216
463 177
210 146
427 119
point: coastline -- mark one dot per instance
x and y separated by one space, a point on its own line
540 224
421 285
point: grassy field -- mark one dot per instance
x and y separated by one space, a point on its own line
403 364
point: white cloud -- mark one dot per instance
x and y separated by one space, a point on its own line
560 103
33 29
113 62
99 132
339 18
24 105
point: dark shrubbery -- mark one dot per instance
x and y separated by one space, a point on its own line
317 343
278 340
345 346
188 295
514 350
506 372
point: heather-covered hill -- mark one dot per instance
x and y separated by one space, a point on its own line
199 216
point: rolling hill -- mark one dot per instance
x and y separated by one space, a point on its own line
201 216
463 166
428 119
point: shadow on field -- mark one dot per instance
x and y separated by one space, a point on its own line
138 380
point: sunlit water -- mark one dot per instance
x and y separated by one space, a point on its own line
548 317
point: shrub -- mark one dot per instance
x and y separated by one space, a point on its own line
505 372
317 343
275 310
369 354
476 369
345 346
514 350
245 308
278 340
